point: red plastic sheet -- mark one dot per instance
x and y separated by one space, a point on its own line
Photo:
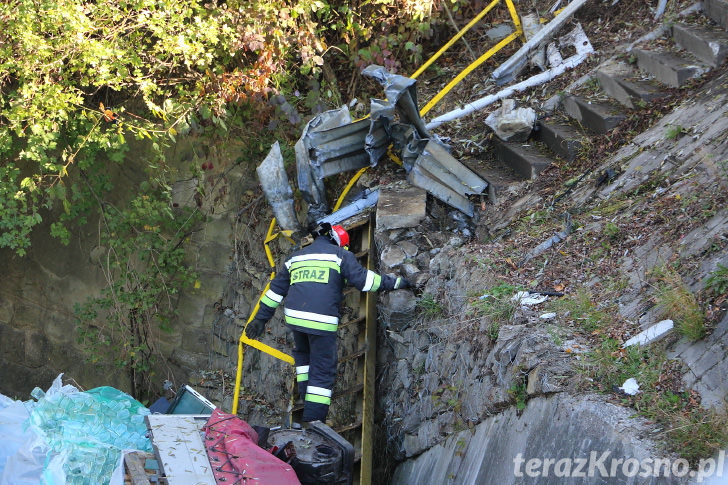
232 446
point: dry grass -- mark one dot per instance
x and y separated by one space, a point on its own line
679 304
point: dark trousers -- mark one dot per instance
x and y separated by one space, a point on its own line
315 354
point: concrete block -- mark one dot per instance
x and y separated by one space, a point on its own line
618 81
710 45
561 139
400 206
668 68
498 178
596 117
718 11
524 159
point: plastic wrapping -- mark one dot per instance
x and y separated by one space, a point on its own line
20 462
73 437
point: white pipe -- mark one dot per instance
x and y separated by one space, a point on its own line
481 103
660 9
542 34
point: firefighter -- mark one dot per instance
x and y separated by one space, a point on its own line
311 280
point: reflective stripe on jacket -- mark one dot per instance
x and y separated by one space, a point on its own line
311 280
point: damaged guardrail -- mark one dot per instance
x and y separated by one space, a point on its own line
331 144
507 71
444 177
576 39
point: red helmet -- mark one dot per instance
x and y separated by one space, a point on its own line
340 236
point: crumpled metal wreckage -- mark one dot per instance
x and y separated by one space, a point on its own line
331 143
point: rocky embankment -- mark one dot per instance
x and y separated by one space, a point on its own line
470 380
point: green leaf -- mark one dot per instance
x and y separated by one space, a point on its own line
28 183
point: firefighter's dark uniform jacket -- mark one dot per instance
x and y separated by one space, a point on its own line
311 280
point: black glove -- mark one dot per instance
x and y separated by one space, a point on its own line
402 284
254 329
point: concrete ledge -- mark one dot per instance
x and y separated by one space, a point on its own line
499 179
400 206
708 45
718 11
616 80
668 68
524 159
596 117
561 139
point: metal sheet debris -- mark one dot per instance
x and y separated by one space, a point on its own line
180 449
310 183
273 179
439 173
331 144
401 97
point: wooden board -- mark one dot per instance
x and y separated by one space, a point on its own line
135 470
178 444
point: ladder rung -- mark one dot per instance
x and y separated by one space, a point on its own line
348 427
355 355
356 321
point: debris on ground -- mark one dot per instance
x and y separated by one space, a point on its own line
650 335
547 244
525 298
510 123
630 387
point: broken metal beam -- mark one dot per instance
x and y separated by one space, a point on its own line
439 173
420 177
576 38
505 72
366 201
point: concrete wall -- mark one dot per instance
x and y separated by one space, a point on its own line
558 427
38 291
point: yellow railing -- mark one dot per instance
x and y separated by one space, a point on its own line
244 340
252 342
